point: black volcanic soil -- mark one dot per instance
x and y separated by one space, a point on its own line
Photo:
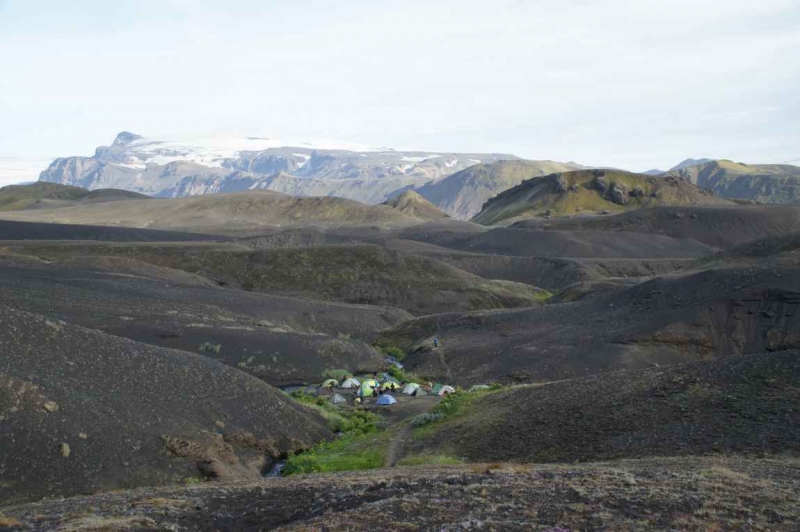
13 230
741 404
82 411
579 244
717 226
362 274
279 339
697 494
709 313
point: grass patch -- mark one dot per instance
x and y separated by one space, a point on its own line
392 351
208 347
425 459
340 375
450 407
349 453
543 295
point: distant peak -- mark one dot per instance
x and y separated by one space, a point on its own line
690 162
125 137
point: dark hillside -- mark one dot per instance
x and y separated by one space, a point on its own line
719 226
281 340
724 311
82 411
743 404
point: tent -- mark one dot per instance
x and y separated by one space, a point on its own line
385 400
321 391
365 391
410 388
352 382
330 383
337 399
389 385
478 387
442 389
419 392
372 383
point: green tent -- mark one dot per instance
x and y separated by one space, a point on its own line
389 385
370 382
436 389
365 391
330 383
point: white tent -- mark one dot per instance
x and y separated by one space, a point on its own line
337 399
410 388
352 382
446 389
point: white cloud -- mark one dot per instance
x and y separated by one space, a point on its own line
626 83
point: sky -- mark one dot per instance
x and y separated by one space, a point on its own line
631 84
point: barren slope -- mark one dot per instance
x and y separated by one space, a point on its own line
242 213
82 411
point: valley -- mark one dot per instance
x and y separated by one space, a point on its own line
622 351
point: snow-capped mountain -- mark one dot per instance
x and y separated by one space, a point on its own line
185 167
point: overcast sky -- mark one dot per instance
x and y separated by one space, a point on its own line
636 84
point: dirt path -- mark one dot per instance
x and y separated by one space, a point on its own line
395 451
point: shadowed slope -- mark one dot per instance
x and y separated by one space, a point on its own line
723 311
351 274
279 339
84 411
744 404
717 226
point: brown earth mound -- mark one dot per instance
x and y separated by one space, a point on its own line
414 205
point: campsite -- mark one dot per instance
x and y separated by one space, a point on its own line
448 266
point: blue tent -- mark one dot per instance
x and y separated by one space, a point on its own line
386 400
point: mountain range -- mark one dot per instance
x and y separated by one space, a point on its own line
457 183
204 166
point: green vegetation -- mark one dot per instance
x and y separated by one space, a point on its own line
349 453
348 422
358 448
590 191
392 351
424 419
401 375
208 347
451 406
338 374
544 296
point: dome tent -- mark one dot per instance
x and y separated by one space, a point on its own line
337 399
352 382
385 400
410 388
